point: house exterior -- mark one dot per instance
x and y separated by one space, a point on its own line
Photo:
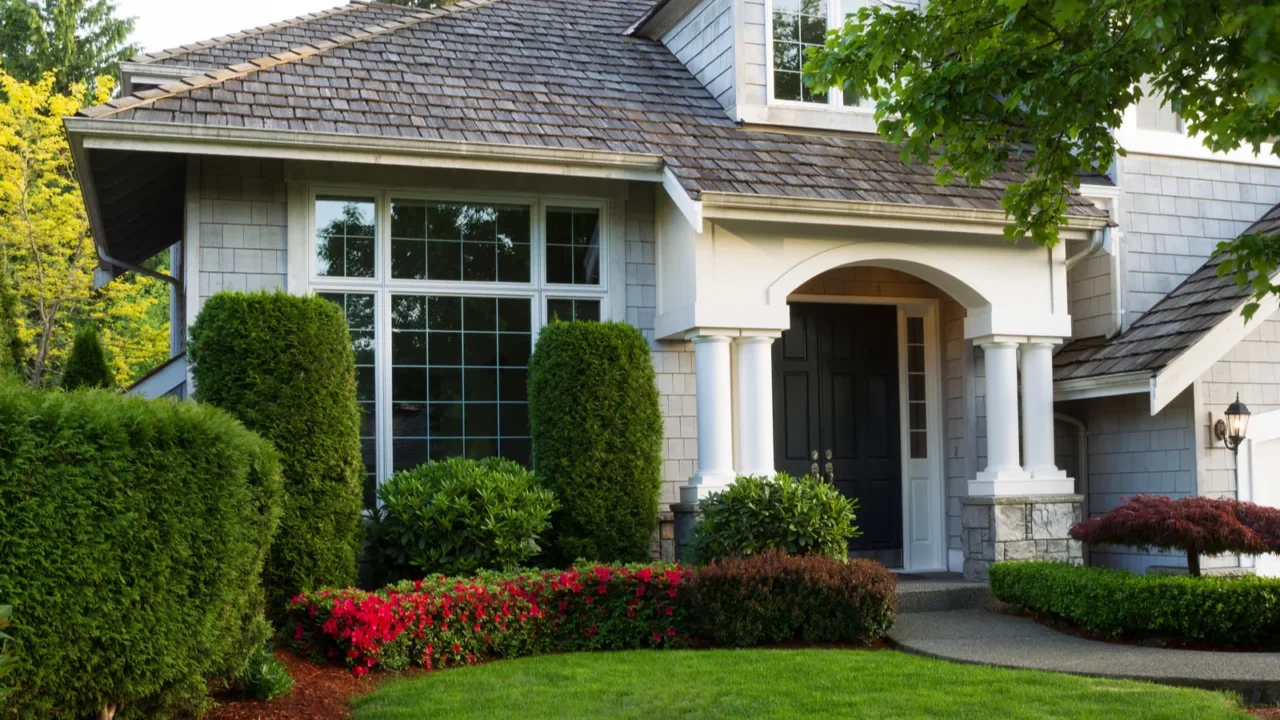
456 177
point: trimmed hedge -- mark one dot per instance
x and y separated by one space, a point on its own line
283 365
442 622
774 597
799 516
457 516
132 539
597 439
1118 604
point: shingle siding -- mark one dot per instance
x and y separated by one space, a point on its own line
1131 452
1176 211
243 244
703 41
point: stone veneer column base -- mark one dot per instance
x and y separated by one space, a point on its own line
1019 527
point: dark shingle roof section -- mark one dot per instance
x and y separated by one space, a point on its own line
263 41
1169 328
560 74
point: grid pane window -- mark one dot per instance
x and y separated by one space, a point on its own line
345 231
359 309
573 246
458 377
849 8
569 309
798 25
459 241
917 405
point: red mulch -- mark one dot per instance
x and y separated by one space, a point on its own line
320 692
1266 713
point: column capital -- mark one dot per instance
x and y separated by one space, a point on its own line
710 337
1050 342
755 339
999 341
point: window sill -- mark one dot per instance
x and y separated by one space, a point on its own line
813 117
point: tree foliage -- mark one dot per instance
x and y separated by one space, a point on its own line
87 366
1194 525
78 41
46 251
972 86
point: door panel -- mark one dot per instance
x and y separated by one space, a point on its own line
836 376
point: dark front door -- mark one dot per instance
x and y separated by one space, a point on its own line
836 408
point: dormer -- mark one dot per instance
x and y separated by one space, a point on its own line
749 54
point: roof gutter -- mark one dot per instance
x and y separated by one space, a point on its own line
141 136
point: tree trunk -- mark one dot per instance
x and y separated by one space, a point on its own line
1193 564
108 712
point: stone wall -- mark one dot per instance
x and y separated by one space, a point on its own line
1019 528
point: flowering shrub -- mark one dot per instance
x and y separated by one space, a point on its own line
441 622
775 597
1195 525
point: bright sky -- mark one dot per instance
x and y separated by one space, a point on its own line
165 23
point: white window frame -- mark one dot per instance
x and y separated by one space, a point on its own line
835 96
305 279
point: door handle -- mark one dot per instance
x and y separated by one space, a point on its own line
813 468
831 472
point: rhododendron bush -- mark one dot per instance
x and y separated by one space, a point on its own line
442 622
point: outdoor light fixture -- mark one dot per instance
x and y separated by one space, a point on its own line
1231 430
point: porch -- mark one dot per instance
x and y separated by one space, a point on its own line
909 367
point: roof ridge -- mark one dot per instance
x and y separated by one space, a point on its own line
248 33
301 52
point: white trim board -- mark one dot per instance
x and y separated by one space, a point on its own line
1102 386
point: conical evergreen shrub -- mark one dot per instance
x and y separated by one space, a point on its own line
87 367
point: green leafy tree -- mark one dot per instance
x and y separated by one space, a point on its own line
972 85
87 366
10 343
77 40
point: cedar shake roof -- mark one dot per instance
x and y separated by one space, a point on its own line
541 73
1169 328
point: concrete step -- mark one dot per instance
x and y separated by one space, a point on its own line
938 592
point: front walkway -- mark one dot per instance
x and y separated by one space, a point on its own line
986 637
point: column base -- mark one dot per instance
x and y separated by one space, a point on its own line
1019 527
1005 483
702 486
686 516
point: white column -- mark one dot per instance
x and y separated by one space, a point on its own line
755 405
1003 476
1037 417
715 417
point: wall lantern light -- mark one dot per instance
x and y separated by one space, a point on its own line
1232 429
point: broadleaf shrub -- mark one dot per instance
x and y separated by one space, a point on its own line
456 517
265 677
1194 525
757 514
443 622
87 365
1115 603
597 439
133 535
774 597
283 365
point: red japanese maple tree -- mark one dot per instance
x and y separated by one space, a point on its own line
1195 525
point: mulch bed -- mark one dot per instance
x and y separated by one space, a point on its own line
320 692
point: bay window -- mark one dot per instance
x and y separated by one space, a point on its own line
444 297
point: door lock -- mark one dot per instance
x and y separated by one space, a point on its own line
813 468
828 454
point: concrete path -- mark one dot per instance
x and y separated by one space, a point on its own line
993 638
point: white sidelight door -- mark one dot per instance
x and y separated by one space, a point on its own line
923 523
1259 463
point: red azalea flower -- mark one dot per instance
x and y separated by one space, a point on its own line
457 649
359 670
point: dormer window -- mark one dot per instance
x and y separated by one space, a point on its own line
797 26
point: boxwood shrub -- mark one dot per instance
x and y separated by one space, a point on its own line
773 597
283 365
456 517
597 439
1119 604
132 539
799 516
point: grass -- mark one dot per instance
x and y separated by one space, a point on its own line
774 684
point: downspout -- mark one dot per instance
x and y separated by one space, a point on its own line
1101 239
1082 465
174 282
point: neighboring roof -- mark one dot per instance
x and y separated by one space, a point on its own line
1170 328
535 73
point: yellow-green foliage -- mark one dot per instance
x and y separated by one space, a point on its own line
597 438
133 535
46 251
283 365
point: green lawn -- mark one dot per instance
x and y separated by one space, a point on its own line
773 684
